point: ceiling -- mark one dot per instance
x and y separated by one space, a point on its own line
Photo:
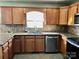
41 3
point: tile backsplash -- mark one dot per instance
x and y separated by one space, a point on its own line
20 28
74 30
11 28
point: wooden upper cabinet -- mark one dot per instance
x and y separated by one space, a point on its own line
18 16
6 13
63 16
71 14
78 7
52 16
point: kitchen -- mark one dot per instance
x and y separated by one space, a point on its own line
39 29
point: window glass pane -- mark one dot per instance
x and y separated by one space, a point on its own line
35 19
34 24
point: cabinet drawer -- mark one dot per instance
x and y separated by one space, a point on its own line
5 45
29 37
39 37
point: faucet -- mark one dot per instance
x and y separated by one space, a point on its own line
36 29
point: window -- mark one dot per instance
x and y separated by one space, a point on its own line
34 19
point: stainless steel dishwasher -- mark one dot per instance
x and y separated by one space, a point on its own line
51 43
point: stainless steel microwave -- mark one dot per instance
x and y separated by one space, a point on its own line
76 19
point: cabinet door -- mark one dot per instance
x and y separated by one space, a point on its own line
18 16
63 45
5 53
17 44
63 16
72 12
6 13
78 7
10 49
22 43
29 44
39 44
52 16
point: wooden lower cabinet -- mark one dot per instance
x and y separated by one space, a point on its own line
5 51
10 47
63 45
17 44
39 44
24 44
29 45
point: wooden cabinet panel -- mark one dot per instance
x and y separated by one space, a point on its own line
63 45
39 45
10 49
78 7
29 45
22 43
52 16
17 45
18 16
5 45
72 12
34 9
6 13
5 53
63 16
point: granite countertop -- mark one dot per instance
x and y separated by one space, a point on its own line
4 37
68 35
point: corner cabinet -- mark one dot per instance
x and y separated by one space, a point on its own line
71 14
63 16
6 15
52 15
